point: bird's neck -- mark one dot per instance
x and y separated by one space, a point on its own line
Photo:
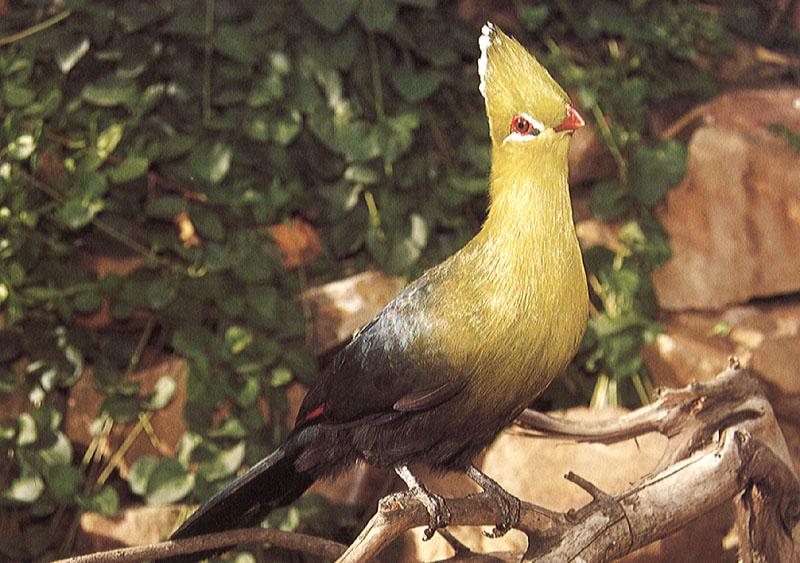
530 218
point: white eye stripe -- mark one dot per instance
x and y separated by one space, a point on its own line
519 137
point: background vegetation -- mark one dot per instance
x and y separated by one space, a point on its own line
168 134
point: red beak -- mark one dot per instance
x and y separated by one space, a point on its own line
571 122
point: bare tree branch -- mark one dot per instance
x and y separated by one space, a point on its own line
723 443
723 439
293 541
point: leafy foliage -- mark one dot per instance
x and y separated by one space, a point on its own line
167 133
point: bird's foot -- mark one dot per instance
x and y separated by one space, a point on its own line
509 504
438 512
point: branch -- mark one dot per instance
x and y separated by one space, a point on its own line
723 439
400 512
723 443
297 542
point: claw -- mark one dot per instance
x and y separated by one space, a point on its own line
509 504
438 512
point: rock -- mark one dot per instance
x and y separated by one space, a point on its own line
734 221
136 525
764 337
342 307
534 469
83 405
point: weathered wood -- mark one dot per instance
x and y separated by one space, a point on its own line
724 444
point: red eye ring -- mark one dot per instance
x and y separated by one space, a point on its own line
522 126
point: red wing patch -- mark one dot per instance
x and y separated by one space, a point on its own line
316 413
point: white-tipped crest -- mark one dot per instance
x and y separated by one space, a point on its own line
513 82
484 42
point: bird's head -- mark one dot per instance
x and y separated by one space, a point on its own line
530 115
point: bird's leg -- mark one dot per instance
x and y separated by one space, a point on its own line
509 504
438 513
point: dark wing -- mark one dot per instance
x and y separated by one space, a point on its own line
391 365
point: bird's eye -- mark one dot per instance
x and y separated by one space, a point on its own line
521 125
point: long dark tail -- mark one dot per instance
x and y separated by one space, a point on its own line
271 483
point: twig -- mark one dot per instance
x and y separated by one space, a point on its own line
682 122
211 542
34 29
97 223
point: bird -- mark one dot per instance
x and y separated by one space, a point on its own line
459 353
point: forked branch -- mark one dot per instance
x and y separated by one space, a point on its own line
723 443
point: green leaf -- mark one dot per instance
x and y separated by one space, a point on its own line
262 302
139 474
121 408
207 223
430 4
22 147
150 98
237 339
223 464
160 292
165 207
25 489
236 42
64 482
654 169
280 377
163 392
258 128
286 128
168 482
16 95
609 200
266 90
108 140
69 51
301 363
468 185
129 169
377 15
361 174
613 19
105 501
46 105
330 15
77 212
111 91
88 300
533 17
27 433
192 340
172 147
415 86
247 395
211 162
231 427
